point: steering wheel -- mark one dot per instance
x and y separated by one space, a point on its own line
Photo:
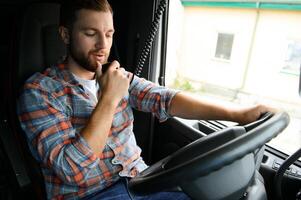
218 166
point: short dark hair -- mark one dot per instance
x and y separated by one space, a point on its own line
69 9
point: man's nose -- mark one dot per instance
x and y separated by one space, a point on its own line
101 42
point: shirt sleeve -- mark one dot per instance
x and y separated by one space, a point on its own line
149 97
51 137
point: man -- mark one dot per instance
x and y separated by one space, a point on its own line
79 122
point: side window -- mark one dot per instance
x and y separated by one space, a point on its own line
254 57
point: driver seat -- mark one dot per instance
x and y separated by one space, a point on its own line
38 47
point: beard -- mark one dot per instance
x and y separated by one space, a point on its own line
85 61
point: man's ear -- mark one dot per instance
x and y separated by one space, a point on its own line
64 33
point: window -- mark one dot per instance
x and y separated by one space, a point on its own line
265 58
224 46
292 61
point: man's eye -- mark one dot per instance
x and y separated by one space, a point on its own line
90 34
109 35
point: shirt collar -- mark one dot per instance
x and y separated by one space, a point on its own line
62 72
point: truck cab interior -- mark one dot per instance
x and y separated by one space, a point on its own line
205 159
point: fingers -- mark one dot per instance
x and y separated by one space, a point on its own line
121 70
98 70
114 65
264 109
112 68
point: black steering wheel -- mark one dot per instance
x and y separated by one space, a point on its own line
216 161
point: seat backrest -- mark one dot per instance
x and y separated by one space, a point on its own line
40 45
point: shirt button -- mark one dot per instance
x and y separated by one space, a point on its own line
122 174
134 172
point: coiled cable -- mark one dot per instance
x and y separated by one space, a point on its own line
152 34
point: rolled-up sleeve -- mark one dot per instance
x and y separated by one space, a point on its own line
149 97
51 137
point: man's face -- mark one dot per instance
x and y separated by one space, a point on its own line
91 38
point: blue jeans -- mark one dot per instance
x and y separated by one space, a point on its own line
120 191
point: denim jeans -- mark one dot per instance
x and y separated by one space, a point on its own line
120 191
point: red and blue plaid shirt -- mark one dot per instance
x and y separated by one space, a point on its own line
53 108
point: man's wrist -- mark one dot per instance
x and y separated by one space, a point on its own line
233 115
111 102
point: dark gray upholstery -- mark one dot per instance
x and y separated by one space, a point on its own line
40 45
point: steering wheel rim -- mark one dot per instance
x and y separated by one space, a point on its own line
168 172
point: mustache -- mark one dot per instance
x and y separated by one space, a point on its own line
99 52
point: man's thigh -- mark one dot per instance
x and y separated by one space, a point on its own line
117 191
164 196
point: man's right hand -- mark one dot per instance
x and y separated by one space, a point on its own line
114 83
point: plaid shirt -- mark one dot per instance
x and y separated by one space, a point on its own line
53 108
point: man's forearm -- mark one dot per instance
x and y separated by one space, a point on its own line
189 107
99 125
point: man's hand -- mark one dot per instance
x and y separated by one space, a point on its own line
114 82
250 114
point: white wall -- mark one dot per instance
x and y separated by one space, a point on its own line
192 43
201 26
275 28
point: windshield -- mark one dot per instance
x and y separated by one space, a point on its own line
239 53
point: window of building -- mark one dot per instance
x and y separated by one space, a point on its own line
292 61
224 46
